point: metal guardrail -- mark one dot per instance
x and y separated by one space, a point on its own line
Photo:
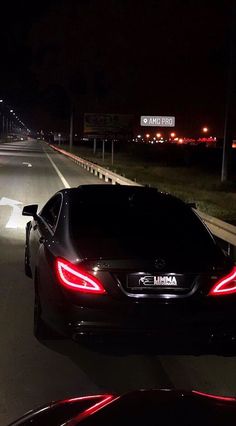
97 170
222 230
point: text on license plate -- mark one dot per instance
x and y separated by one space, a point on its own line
161 280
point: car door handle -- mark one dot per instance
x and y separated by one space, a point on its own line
42 240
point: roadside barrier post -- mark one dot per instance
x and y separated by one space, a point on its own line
94 145
112 152
103 149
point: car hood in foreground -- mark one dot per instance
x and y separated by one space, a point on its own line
147 407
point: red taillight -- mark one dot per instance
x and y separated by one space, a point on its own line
73 278
226 285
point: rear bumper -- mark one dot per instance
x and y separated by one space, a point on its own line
163 321
201 332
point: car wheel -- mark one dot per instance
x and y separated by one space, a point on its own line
28 271
41 330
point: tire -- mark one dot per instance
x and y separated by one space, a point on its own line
28 271
27 268
41 330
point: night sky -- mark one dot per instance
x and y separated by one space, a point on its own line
147 57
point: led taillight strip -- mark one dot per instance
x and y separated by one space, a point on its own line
223 287
73 278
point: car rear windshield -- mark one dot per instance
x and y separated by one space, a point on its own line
149 217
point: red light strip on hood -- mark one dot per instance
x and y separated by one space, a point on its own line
96 407
219 398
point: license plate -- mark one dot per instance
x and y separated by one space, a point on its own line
137 281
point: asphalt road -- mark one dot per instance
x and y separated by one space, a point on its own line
31 373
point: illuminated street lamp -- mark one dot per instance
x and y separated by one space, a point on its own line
205 129
147 135
158 135
173 135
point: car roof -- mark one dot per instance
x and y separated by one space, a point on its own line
112 193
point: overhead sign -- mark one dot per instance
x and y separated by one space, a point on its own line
157 121
106 124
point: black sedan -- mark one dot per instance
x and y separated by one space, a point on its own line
114 260
150 407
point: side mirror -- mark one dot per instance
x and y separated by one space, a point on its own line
30 210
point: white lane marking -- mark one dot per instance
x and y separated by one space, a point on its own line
15 214
27 164
64 181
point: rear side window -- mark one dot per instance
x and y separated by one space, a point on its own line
51 210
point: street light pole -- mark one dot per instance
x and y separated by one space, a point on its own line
3 126
227 145
103 149
94 145
112 152
7 127
71 128
1 116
